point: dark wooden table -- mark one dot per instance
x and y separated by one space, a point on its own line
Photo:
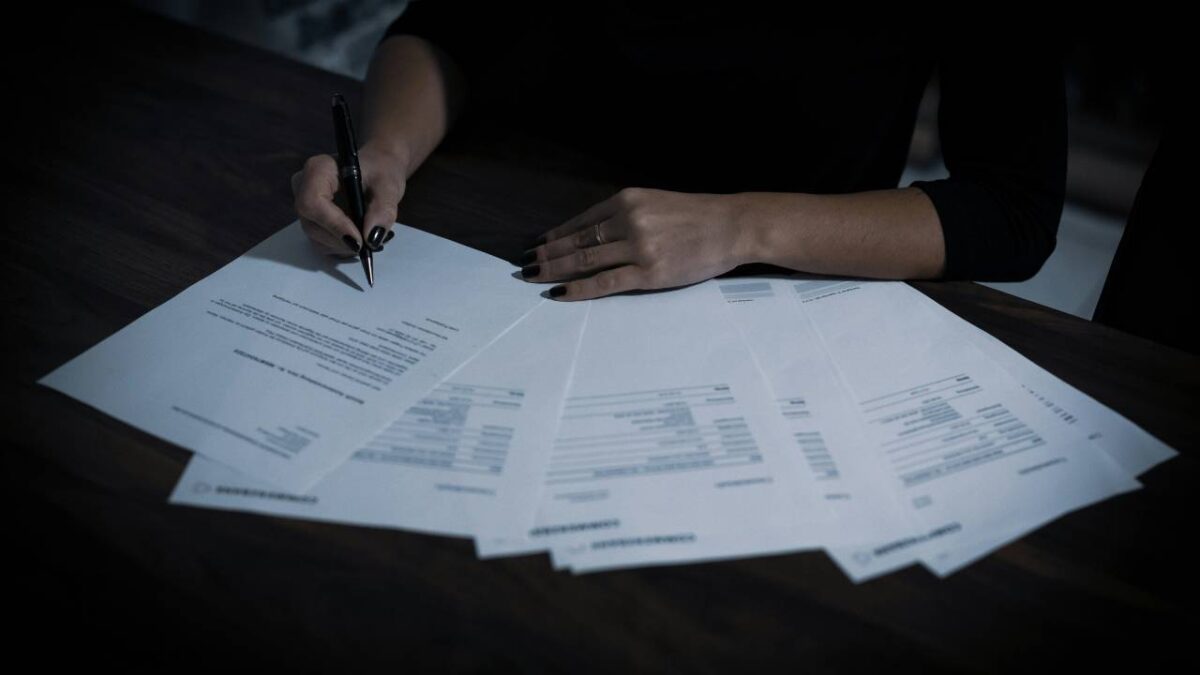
156 153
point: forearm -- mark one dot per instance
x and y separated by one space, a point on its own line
884 234
413 93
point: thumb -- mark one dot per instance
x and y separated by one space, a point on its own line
382 207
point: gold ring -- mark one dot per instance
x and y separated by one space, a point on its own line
599 236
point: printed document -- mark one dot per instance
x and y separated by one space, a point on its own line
459 462
668 433
280 364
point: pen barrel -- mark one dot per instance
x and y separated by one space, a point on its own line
351 181
349 173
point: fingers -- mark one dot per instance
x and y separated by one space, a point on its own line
608 231
382 205
314 188
601 223
616 280
594 214
580 261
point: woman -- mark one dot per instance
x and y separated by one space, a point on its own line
780 141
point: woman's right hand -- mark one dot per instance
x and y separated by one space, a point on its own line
327 225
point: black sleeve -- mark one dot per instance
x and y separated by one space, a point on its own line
461 29
1002 122
499 48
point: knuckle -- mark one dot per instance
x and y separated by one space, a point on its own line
308 204
394 196
303 204
585 257
385 191
606 282
645 248
639 218
383 213
316 163
655 276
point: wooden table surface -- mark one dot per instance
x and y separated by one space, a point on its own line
155 153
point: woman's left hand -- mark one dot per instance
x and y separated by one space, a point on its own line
640 239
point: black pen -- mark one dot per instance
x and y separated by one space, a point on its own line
351 179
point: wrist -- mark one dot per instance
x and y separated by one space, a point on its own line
751 240
768 230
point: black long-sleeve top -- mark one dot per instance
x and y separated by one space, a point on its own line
710 98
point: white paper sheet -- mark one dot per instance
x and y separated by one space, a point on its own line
668 434
816 411
279 365
812 405
1135 450
459 462
903 325
1130 446
972 452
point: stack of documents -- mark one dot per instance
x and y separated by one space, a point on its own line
735 417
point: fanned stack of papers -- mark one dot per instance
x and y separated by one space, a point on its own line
735 417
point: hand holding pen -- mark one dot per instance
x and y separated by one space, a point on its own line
327 213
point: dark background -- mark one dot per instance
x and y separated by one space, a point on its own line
1118 75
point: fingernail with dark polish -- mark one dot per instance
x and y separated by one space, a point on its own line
528 256
390 234
557 291
376 237
351 242
530 270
